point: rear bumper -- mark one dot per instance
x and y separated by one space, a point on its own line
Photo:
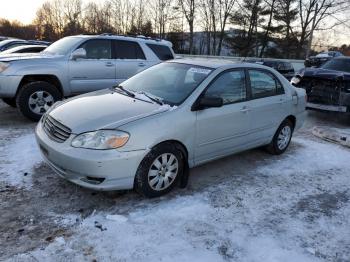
95 169
9 85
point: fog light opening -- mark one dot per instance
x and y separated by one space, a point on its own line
93 180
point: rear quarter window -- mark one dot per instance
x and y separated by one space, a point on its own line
161 51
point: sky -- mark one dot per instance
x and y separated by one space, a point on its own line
25 11
22 10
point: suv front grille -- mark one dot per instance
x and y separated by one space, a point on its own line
55 130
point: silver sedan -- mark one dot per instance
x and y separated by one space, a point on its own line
147 132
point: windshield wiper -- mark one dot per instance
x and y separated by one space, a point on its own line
153 98
124 90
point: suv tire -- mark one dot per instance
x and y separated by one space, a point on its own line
281 139
159 171
35 98
10 101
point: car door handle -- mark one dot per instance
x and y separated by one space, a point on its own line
245 109
142 64
109 64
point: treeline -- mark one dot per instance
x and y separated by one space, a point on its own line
274 28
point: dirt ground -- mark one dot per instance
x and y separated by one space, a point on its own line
31 218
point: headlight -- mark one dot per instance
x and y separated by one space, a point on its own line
3 66
102 139
295 80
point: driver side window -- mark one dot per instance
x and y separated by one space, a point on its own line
230 86
98 49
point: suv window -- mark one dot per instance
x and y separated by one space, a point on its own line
162 52
230 86
128 50
264 84
98 49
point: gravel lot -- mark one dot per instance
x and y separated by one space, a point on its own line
248 207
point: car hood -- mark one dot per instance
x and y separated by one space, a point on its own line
17 57
325 74
105 109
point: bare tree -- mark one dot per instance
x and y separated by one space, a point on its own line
225 10
189 9
317 11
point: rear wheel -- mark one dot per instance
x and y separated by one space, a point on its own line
34 99
10 101
282 138
159 171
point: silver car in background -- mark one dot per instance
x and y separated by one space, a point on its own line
147 132
75 65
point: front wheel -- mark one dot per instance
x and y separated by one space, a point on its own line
34 99
159 171
282 138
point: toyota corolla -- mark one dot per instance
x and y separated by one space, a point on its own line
147 132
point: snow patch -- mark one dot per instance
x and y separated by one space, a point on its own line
116 218
254 218
18 160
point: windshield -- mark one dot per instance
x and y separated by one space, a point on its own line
171 82
338 65
62 46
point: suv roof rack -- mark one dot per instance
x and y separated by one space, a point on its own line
134 36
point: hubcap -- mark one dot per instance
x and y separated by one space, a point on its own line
284 137
40 101
163 171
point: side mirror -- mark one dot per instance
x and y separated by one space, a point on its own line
207 102
79 53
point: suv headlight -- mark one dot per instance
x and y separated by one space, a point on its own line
101 140
295 80
3 66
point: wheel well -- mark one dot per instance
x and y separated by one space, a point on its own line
292 119
52 79
178 144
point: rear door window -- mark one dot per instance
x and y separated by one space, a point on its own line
128 50
161 51
264 84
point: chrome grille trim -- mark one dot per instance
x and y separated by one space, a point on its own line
55 130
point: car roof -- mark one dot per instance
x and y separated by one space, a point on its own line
209 62
25 47
12 40
216 63
129 38
342 57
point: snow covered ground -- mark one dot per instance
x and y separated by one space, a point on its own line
247 207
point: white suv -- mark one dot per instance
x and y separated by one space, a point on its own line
75 65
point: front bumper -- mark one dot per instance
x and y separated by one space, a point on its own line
342 109
9 86
87 167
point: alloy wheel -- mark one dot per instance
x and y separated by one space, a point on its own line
284 137
40 101
163 171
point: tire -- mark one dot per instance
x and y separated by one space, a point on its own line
281 139
35 98
149 176
10 101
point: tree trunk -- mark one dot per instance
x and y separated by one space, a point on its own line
266 35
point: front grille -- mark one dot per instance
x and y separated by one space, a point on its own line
323 92
55 130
